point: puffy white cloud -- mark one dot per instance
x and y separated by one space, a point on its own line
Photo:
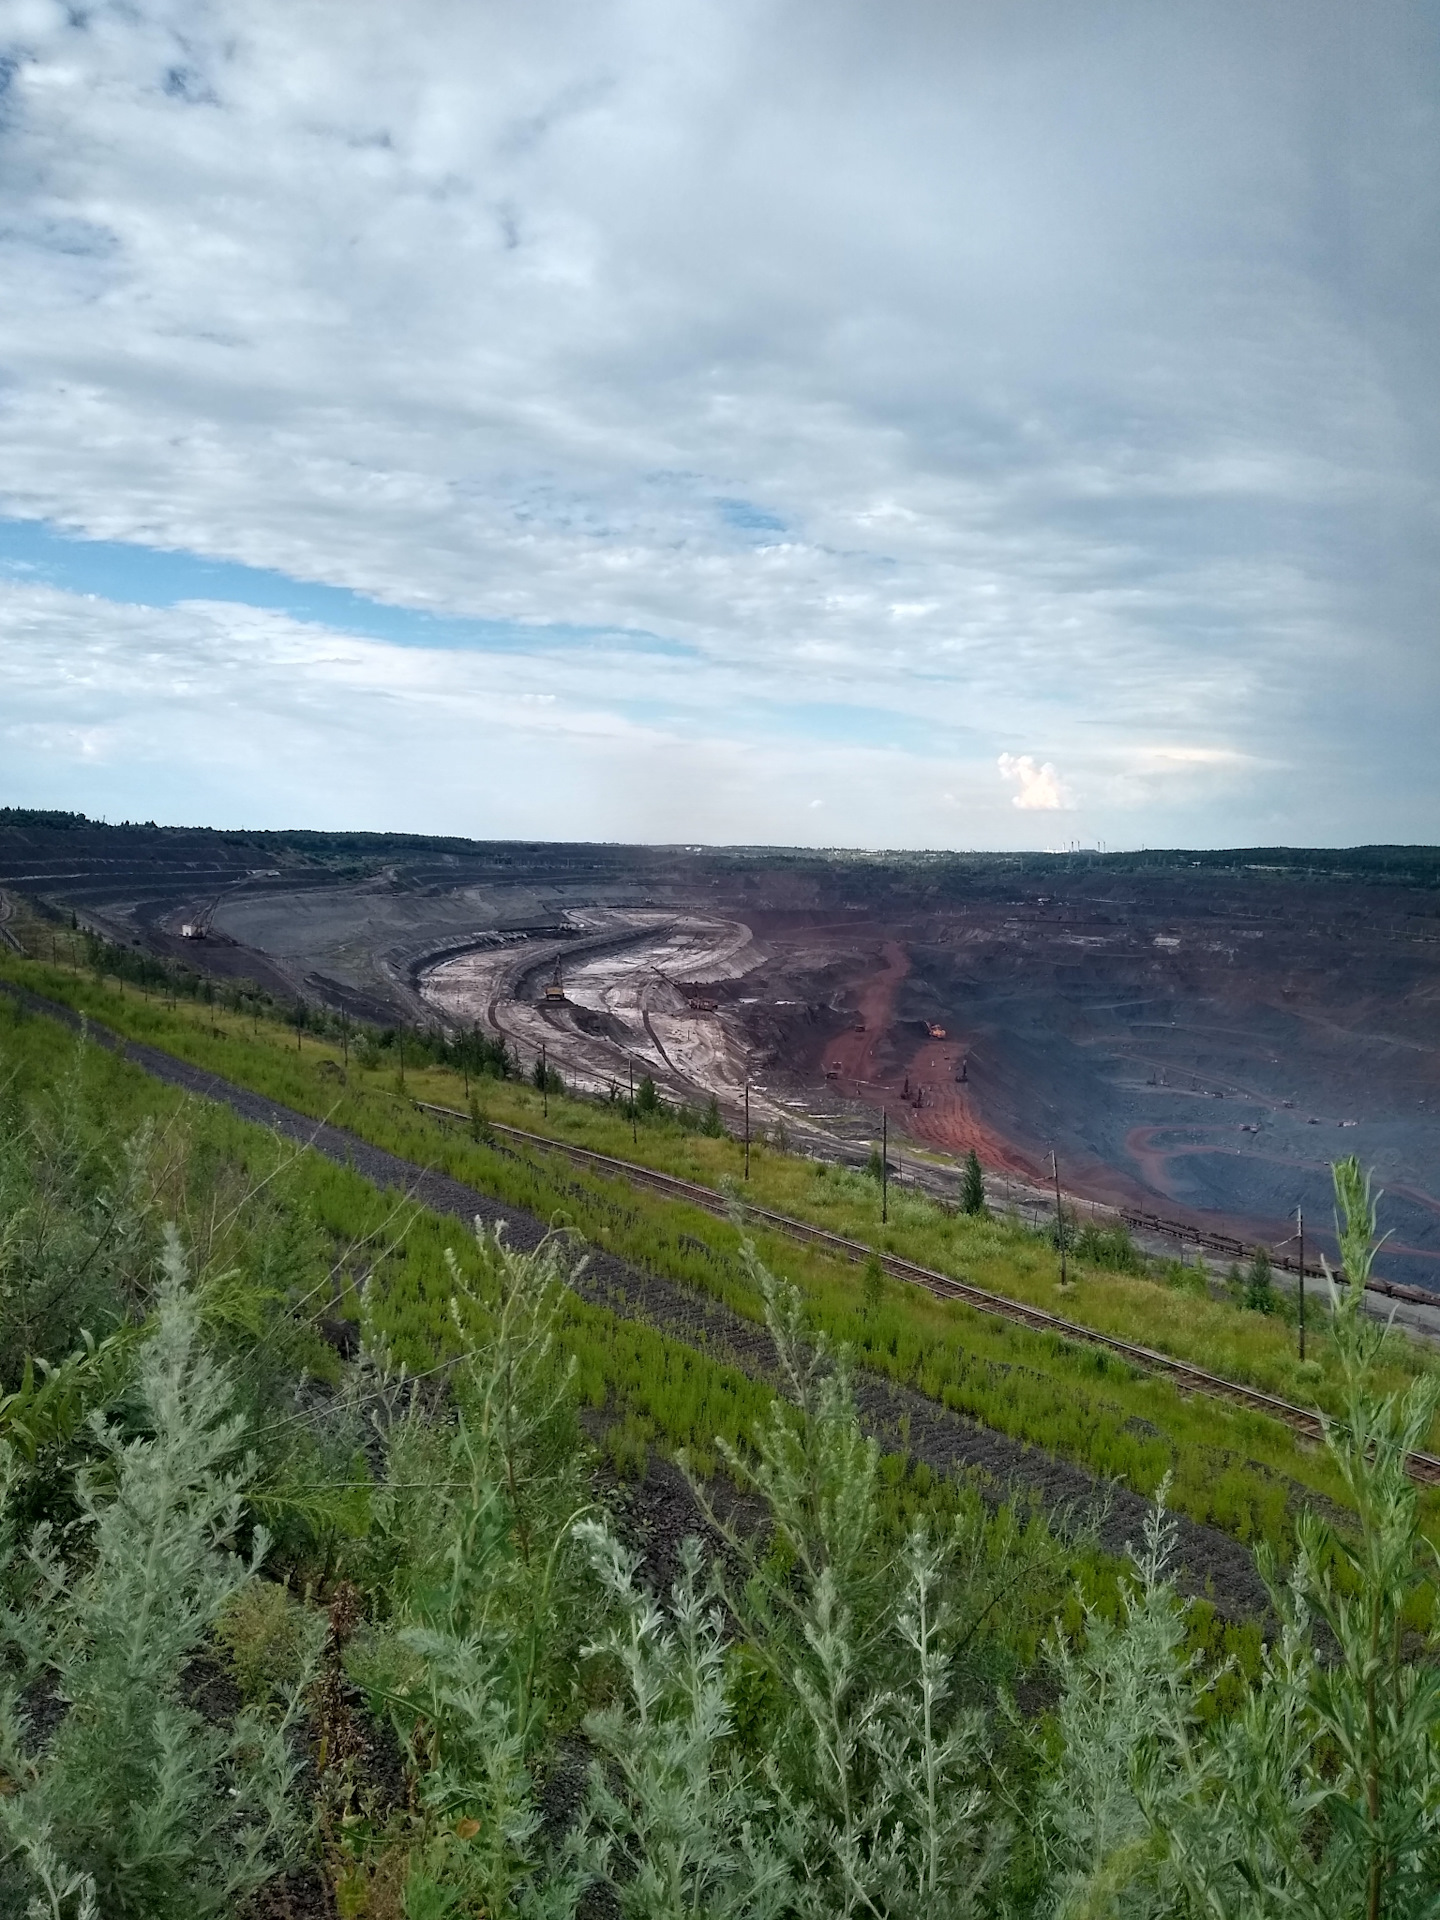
1040 788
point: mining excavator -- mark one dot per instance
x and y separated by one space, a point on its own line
199 927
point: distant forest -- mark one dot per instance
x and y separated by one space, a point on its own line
844 867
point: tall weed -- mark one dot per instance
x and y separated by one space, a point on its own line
136 1802
1321 1795
486 1601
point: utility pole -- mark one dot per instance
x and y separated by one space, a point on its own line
402 1059
1300 1223
884 1166
747 1127
544 1083
1059 1218
345 1040
630 1064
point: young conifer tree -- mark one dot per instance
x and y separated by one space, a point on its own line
1260 1283
972 1185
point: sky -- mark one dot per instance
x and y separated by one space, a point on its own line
940 424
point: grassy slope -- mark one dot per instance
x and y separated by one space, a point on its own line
654 1388
1227 1465
1004 1257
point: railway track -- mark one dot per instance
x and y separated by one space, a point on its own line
1228 1247
1423 1467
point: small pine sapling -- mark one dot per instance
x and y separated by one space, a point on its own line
1260 1283
972 1185
872 1285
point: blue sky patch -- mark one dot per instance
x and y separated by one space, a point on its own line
137 575
749 518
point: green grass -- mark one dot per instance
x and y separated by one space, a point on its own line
1249 1348
649 1391
1228 1466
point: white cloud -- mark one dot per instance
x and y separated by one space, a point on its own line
1181 759
955 375
1041 789
215 711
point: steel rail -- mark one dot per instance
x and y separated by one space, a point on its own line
1422 1467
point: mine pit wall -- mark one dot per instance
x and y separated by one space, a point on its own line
1089 994
1055 1051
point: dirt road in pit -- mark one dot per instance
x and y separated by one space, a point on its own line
632 995
940 1109
851 1057
927 1099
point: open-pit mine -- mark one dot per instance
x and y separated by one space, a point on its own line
1195 1036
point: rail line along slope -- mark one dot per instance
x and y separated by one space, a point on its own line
1025 1382
1210 1562
1125 1311
1424 1467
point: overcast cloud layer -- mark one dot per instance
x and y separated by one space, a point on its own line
945 425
